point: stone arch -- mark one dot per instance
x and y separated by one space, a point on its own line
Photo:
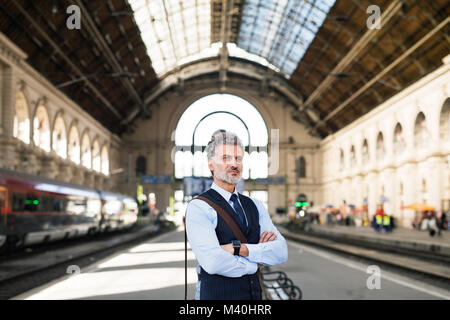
365 152
399 141
74 144
86 155
21 127
380 146
95 154
104 156
352 157
190 99
59 135
249 125
41 128
444 122
141 166
421 131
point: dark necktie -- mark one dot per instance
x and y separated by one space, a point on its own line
239 210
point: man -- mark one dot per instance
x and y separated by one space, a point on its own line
228 269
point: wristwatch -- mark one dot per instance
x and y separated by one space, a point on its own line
237 246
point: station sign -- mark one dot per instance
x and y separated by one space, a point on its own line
153 179
194 186
270 180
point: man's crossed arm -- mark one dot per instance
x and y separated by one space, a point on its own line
265 237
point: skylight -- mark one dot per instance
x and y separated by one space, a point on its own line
173 30
281 30
274 33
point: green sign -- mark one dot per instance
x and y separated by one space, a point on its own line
301 204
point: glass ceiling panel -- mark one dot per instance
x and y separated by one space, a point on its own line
281 30
275 33
173 30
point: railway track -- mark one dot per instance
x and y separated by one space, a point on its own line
20 272
423 266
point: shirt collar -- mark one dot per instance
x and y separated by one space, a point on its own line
224 193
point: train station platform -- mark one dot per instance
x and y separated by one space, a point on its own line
399 238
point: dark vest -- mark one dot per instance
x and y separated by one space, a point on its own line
217 287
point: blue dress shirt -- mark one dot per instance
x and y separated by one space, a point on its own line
201 222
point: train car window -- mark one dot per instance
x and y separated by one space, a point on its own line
112 207
57 204
18 202
76 206
64 203
94 207
46 204
2 198
2 204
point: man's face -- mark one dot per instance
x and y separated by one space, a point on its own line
227 163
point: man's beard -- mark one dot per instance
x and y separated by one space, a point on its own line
222 175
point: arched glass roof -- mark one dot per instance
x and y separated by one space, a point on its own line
273 32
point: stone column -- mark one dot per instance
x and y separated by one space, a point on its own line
8 100
65 171
89 179
78 175
98 181
8 157
437 168
49 165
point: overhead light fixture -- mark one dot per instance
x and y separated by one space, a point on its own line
54 7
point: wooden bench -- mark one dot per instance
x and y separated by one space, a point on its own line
277 286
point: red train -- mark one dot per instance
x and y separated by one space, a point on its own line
35 210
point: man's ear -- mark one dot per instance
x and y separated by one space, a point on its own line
210 165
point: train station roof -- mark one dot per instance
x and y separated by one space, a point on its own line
329 53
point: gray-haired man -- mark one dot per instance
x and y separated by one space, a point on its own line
227 268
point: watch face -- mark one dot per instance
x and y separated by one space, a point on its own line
236 243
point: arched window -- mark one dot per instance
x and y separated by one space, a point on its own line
380 146
421 132
96 161
21 119
301 167
105 161
41 129
59 138
399 140
86 152
444 123
341 159
74 145
141 166
220 111
352 157
365 152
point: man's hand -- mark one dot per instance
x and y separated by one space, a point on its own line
267 236
229 248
